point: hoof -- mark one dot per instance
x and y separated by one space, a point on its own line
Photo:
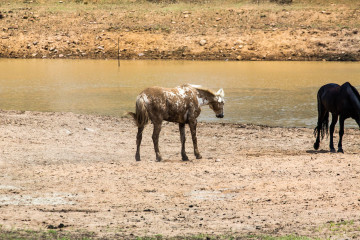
185 158
332 150
340 150
316 145
159 159
199 157
137 158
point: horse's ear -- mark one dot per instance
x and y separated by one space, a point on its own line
220 93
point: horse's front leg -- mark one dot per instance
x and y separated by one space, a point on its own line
138 142
332 127
183 139
341 133
192 125
155 137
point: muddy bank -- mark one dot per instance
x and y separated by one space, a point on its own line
79 172
212 31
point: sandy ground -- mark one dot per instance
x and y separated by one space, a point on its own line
78 173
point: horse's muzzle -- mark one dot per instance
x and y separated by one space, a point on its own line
220 115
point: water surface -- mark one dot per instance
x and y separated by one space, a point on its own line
269 93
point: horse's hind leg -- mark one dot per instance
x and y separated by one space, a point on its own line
183 139
155 137
341 134
332 127
138 142
192 125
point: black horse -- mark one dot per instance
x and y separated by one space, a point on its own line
343 101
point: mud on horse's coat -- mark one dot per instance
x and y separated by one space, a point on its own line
181 105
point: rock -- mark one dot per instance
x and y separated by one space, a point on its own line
218 160
239 58
141 54
61 55
186 15
218 19
68 132
52 49
202 42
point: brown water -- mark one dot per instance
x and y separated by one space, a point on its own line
270 93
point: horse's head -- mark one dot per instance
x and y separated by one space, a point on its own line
217 105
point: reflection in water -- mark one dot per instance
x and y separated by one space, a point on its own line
270 93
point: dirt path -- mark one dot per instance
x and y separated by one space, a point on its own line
79 172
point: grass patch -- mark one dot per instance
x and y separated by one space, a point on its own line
44 235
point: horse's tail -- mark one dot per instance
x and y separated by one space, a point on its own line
322 127
141 116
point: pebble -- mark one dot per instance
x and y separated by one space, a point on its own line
89 129
202 42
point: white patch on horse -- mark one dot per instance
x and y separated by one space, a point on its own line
170 94
145 98
195 86
202 101
220 99
182 91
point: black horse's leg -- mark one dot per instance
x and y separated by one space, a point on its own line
341 133
183 139
138 142
332 127
155 137
322 115
192 125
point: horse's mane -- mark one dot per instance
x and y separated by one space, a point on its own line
355 91
205 91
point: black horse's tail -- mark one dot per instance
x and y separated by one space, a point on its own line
322 127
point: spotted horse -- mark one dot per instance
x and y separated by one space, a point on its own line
180 105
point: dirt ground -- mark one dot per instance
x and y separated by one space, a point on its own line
78 173
215 30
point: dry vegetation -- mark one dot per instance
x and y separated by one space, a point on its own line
214 30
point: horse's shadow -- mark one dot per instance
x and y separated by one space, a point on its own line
317 151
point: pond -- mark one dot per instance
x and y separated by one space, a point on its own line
268 93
